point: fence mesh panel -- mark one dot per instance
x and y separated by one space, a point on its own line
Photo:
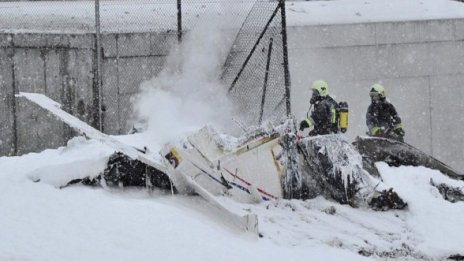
254 70
154 26
58 40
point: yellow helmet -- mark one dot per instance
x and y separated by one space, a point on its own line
322 87
377 89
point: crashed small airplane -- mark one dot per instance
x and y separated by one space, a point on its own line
265 164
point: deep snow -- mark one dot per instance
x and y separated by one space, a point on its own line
42 222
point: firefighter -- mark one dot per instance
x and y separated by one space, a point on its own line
324 115
382 118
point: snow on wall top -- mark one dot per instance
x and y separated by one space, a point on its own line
368 11
115 16
161 15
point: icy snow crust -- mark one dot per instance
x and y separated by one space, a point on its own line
42 222
346 167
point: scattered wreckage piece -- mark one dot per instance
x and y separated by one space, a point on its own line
449 193
386 200
328 168
247 172
396 153
122 171
131 166
137 156
332 167
88 131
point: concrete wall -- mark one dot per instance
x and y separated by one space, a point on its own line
63 67
7 108
421 64
129 59
59 66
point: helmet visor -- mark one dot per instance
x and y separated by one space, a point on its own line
315 93
375 96
314 97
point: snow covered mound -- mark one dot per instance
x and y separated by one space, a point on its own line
71 166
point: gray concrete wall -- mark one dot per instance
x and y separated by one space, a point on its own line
421 64
129 59
7 133
62 66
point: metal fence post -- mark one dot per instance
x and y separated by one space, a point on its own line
13 98
266 76
179 21
285 53
99 65
261 35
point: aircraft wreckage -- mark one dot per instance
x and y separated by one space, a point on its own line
266 163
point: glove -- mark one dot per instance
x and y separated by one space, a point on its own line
303 125
306 123
375 131
398 130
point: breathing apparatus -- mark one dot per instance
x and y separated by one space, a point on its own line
343 116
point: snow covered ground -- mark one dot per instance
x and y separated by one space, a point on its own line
42 222
39 221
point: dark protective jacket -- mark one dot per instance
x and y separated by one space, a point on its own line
383 115
324 116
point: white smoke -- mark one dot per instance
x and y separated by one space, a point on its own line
187 94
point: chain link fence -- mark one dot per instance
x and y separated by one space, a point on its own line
145 31
92 56
256 70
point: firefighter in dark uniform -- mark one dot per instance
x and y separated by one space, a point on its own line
382 118
324 115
